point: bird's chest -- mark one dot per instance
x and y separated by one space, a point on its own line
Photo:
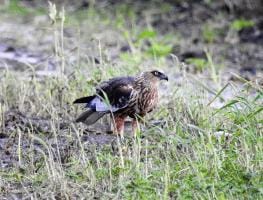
147 100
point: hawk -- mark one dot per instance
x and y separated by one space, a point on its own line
123 97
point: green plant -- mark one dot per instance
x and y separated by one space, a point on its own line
209 33
240 24
199 63
146 34
159 49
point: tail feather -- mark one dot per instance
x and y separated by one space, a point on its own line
89 117
84 99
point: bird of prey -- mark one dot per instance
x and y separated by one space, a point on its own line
123 97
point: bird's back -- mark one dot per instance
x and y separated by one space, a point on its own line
117 90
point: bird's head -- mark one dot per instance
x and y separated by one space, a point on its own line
155 76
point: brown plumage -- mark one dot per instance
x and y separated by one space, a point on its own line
123 97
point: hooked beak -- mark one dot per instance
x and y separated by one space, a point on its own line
164 77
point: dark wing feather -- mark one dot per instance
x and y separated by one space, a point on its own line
118 90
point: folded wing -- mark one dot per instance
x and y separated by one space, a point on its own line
111 96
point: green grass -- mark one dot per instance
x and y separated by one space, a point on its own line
183 159
15 7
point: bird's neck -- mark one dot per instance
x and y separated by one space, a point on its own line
142 83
